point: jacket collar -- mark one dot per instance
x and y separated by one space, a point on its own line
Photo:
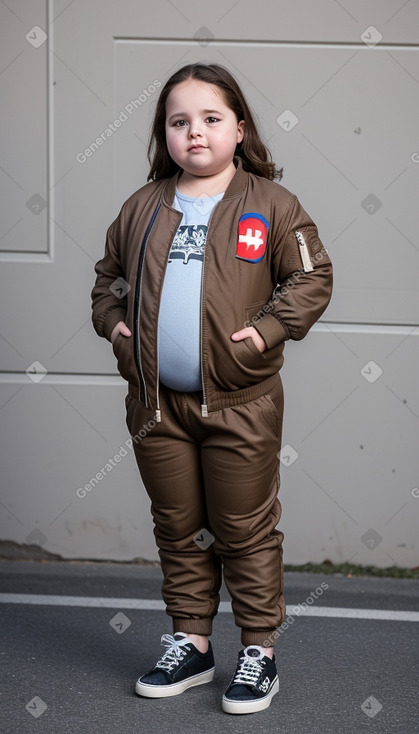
235 187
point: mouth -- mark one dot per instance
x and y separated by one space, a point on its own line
197 147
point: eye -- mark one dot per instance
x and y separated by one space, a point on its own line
212 119
176 124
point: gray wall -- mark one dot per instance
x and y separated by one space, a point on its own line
334 86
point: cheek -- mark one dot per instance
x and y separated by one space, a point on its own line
172 140
226 138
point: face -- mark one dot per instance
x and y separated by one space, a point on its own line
201 131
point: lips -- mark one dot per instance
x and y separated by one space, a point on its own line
197 147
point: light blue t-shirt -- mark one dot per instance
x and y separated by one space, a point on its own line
180 307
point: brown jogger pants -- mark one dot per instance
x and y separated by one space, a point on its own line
215 477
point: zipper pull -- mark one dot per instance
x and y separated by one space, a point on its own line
204 411
305 257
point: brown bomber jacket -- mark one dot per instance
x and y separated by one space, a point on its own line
281 293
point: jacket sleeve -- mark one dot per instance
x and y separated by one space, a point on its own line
109 300
304 280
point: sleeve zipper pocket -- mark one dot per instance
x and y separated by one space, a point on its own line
305 257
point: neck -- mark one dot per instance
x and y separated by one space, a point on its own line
211 185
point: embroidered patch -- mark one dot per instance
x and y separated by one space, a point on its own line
252 237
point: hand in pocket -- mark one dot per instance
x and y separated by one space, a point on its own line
257 339
120 328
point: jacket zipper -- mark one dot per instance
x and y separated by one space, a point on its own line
158 411
137 306
305 257
204 406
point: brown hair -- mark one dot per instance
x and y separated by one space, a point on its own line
255 156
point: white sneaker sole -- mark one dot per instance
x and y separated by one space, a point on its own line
250 707
174 689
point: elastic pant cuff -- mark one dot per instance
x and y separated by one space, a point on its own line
193 626
264 638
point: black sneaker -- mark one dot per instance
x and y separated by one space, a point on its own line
181 667
254 683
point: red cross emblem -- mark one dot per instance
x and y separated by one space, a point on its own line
252 237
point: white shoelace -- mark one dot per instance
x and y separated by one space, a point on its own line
174 653
250 667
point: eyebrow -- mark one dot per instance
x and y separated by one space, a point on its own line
184 114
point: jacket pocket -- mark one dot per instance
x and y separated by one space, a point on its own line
237 365
240 364
123 351
256 357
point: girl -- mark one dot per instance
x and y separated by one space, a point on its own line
208 270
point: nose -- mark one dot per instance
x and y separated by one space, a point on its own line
194 130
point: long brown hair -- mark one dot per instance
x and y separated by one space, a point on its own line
255 156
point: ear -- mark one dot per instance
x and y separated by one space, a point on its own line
240 131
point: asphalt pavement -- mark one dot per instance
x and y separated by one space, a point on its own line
347 660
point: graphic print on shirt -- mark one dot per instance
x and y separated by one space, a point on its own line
252 237
189 242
